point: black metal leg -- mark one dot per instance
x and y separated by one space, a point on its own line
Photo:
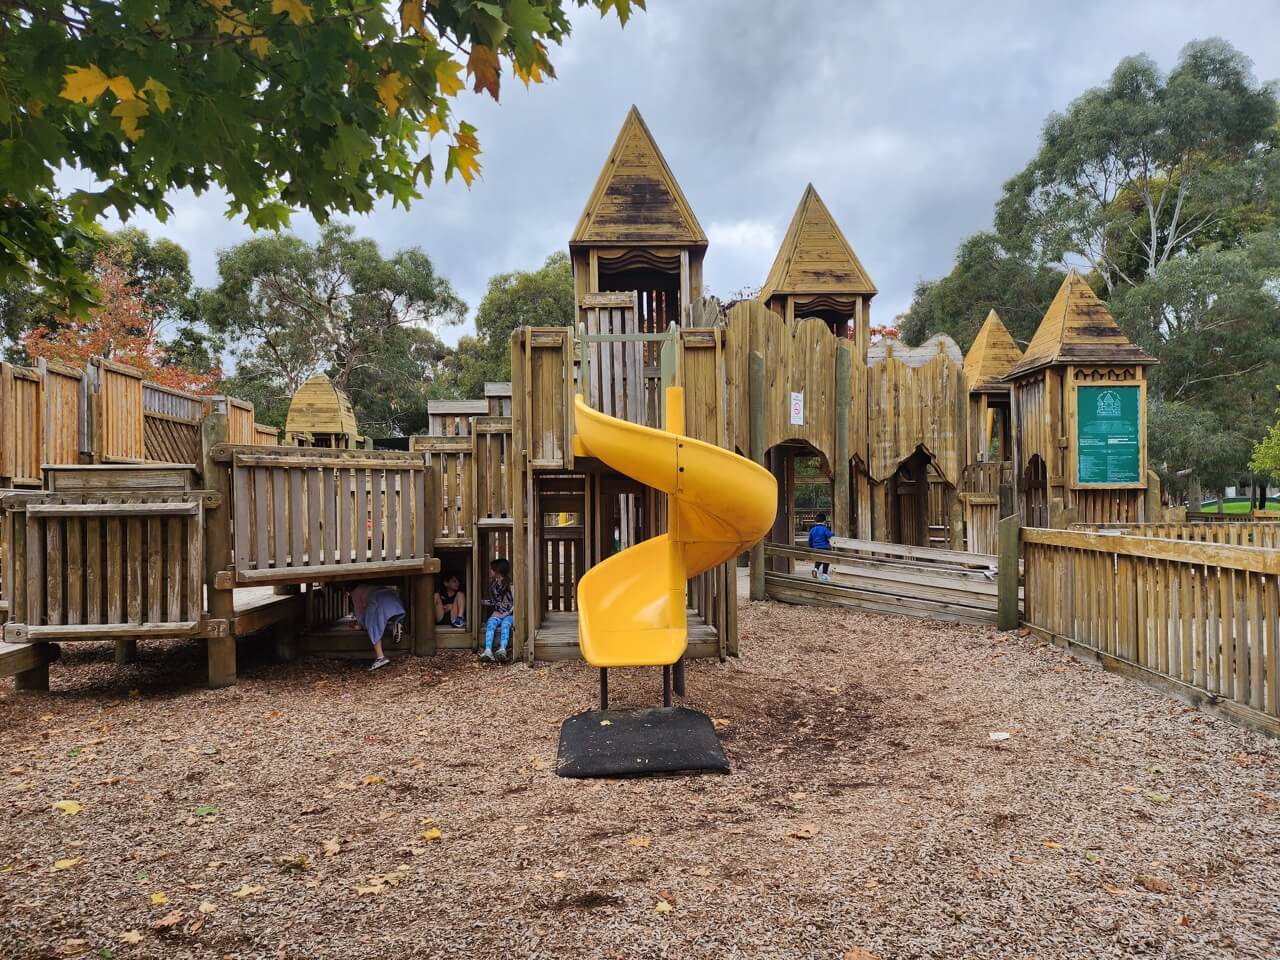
678 677
604 688
666 686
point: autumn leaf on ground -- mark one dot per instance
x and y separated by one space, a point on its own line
131 937
560 875
207 907
857 953
483 66
606 723
159 899
370 890
331 847
805 831
204 810
68 807
171 919
65 864
247 890
72 948
662 907
1052 845
720 723
639 842
1154 884
538 764
1129 790
433 834
373 779
1156 797
298 11
1114 890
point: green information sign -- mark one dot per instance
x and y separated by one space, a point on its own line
1108 433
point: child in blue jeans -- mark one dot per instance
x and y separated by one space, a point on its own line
820 539
502 607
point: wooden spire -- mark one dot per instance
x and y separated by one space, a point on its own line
1078 328
636 199
992 355
320 407
815 257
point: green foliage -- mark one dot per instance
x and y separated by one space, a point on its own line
1265 458
535 298
1146 166
287 309
984 277
324 105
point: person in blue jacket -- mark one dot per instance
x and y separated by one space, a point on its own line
820 539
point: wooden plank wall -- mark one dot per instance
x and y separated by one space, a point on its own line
912 407
543 417
1201 618
241 427
119 434
21 425
701 372
621 383
451 463
301 515
265 436
64 423
492 452
82 564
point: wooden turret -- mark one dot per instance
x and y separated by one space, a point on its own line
992 355
320 415
638 233
817 274
1079 403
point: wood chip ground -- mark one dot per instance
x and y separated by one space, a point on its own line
317 811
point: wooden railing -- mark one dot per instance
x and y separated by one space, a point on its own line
492 444
1244 534
1202 619
305 514
83 564
451 464
986 477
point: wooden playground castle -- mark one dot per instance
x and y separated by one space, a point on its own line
135 511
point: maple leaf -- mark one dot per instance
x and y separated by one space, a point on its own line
122 87
623 8
462 159
85 84
159 899
68 806
298 11
260 45
805 831
662 907
389 88
130 112
171 919
639 842
531 74
447 77
373 779
247 890
1157 797
411 19
331 847
131 937
207 907
484 67
433 834
159 93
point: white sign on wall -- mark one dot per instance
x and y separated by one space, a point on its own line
797 409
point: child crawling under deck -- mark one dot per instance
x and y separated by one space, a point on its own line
378 608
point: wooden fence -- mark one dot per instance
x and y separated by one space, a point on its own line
302 515
451 462
21 426
1199 618
1251 534
117 417
171 424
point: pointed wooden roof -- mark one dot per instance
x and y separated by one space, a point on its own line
1078 328
992 355
320 407
815 257
636 199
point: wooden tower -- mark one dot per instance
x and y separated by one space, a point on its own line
1079 405
638 233
817 274
992 355
320 415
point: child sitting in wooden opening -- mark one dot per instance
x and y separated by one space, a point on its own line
502 607
820 539
377 608
451 601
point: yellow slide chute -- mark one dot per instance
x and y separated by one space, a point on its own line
631 606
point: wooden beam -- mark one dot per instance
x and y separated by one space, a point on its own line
840 468
1007 573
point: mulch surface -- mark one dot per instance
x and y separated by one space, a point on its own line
317 811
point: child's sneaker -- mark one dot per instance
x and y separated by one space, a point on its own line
826 577
503 654
379 664
814 572
459 622
487 654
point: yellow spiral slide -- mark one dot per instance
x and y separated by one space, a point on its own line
631 606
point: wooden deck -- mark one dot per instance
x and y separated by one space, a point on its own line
557 638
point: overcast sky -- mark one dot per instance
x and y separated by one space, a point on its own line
906 116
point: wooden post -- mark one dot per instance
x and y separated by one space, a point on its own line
35 679
1153 508
1007 573
126 651
840 468
880 527
421 596
217 550
755 382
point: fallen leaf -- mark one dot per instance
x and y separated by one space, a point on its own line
207 907
1129 790
68 806
331 847
700 872
368 891
1154 884
1114 890
1156 797
662 907
639 842
560 874
1241 759
606 723
804 831
372 779
171 919
65 864
194 925
1052 845
204 810
538 764
998 737
73 948
159 899
1184 920
720 723
247 890
433 834
857 953
1092 857
131 937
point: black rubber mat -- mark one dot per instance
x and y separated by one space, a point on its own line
631 743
